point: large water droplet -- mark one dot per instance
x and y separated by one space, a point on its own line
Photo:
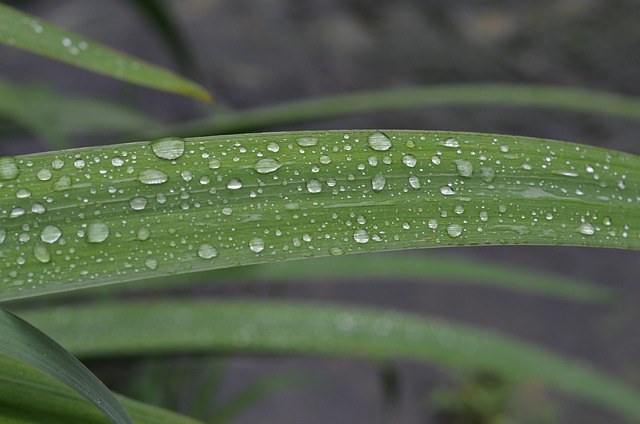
97 232
138 203
336 251
63 183
44 174
450 142
50 234
8 168
214 164
151 263
465 169
143 234
454 230
378 182
234 184
169 148
266 165
409 160
379 141
361 236
414 182
447 191
152 176
314 186
23 193
206 251
41 254
256 245
586 229
307 141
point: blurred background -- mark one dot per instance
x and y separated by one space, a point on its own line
253 53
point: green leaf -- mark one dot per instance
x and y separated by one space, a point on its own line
277 327
550 97
55 117
56 403
20 340
29 33
87 217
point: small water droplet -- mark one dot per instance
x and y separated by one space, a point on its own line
41 254
454 230
447 191
458 209
361 236
138 203
57 163
8 168
152 176
206 251
214 164
435 160
117 161
314 186
63 183
433 223
256 245
378 182
586 229
414 182
465 169
379 141
450 142
151 263
23 193
3 235
484 216
50 234
97 232
38 208
234 184
409 160
169 148
307 141
143 234
336 251
266 165
44 174
487 174
16 212
273 147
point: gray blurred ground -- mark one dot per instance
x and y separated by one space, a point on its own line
257 52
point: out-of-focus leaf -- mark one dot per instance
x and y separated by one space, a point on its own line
139 328
20 340
29 33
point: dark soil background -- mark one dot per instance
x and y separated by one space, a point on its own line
259 52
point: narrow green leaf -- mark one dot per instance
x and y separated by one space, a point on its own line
317 108
87 217
56 403
20 340
29 33
278 327
55 117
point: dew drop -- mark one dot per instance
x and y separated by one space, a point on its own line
454 230
117 161
435 160
379 141
414 182
409 160
450 142
138 203
44 174
3 235
79 163
465 169
151 263
378 182
234 184
8 168
433 223
16 212
50 234
143 234
266 165
458 209
256 245
361 236
214 164
586 229
23 193
446 190
314 186
307 141
273 147
206 251
487 174
152 176
169 148
57 163
484 216
63 183
38 208
336 251
41 254
97 232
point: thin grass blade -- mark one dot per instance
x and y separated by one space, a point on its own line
87 217
20 340
29 33
278 327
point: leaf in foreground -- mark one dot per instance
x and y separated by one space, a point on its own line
56 403
86 217
29 33
277 327
20 340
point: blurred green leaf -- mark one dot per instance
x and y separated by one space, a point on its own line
138 328
29 396
29 33
20 340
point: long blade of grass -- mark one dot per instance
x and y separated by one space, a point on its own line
55 117
29 33
87 217
551 97
56 403
278 327
20 340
